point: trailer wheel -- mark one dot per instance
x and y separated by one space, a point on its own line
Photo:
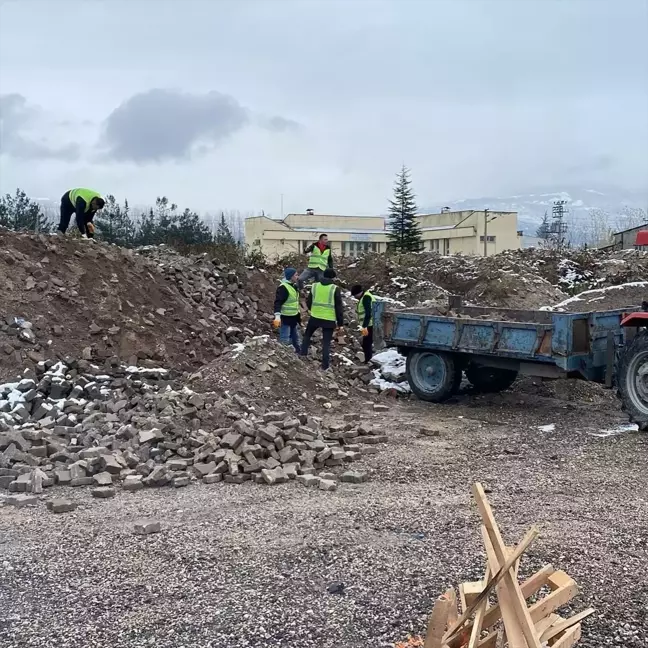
432 376
632 380
490 379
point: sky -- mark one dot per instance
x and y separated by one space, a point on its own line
223 104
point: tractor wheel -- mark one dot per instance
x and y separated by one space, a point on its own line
432 376
490 379
632 380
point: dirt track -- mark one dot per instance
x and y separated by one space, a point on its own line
250 566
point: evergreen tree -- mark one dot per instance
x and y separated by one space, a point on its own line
114 224
223 233
543 229
19 213
403 229
146 229
190 229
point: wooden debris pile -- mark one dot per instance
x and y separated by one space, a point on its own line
509 622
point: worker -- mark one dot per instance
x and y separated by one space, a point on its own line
319 260
327 313
365 318
84 203
286 309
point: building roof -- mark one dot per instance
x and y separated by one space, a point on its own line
632 229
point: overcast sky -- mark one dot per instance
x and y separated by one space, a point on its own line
221 104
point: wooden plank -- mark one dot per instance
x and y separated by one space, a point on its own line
479 616
531 535
514 632
545 606
529 587
570 637
469 592
489 642
559 579
453 614
437 623
565 624
547 622
510 582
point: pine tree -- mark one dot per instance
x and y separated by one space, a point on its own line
223 233
19 213
403 229
189 229
146 229
543 229
114 224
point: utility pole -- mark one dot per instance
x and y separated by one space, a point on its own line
485 232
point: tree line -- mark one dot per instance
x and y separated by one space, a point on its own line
117 223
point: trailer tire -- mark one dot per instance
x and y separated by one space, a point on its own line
632 380
432 376
489 380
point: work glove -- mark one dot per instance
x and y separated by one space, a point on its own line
276 322
90 229
365 332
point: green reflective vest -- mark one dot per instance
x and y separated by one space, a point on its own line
291 305
86 194
319 260
323 306
360 309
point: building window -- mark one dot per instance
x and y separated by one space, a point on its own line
446 247
374 247
434 245
491 239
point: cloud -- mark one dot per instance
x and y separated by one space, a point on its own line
161 125
279 124
16 117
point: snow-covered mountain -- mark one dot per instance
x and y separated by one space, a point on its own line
531 206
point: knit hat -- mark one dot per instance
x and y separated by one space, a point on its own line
289 273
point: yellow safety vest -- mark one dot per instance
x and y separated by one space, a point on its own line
319 260
360 309
291 305
323 306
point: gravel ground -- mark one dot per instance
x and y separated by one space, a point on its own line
239 566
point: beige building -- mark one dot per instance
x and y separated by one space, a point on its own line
447 233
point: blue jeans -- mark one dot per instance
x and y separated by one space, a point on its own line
288 335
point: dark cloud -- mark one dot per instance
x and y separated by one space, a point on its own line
279 124
163 125
16 116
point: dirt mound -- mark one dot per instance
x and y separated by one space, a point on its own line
61 296
609 298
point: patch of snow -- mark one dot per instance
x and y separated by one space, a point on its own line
547 428
343 358
398 281
382 384
134 370
596 291
627 427
391 362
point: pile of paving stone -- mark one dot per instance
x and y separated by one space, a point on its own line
79 424
238 302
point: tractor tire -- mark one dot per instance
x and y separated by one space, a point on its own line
432 376
632 380
489 380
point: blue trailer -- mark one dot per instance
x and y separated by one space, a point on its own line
492 346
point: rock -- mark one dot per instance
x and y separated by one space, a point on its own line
62 476
103 479
133 483
308 480
146 436
335 588
212 479
327 485
61 505
328 475
110 464
274 476
353 477
288 454
146 527
19 501
380 408
36 481
179 482
232 440
204 469
82 481
103 492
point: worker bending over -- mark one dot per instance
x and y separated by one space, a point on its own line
327 313
286 309
84 203
320 258
365 318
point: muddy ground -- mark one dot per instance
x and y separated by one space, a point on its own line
279 566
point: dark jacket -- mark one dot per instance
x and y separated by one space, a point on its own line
280 298
309 249
339 308
82 216
368 307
